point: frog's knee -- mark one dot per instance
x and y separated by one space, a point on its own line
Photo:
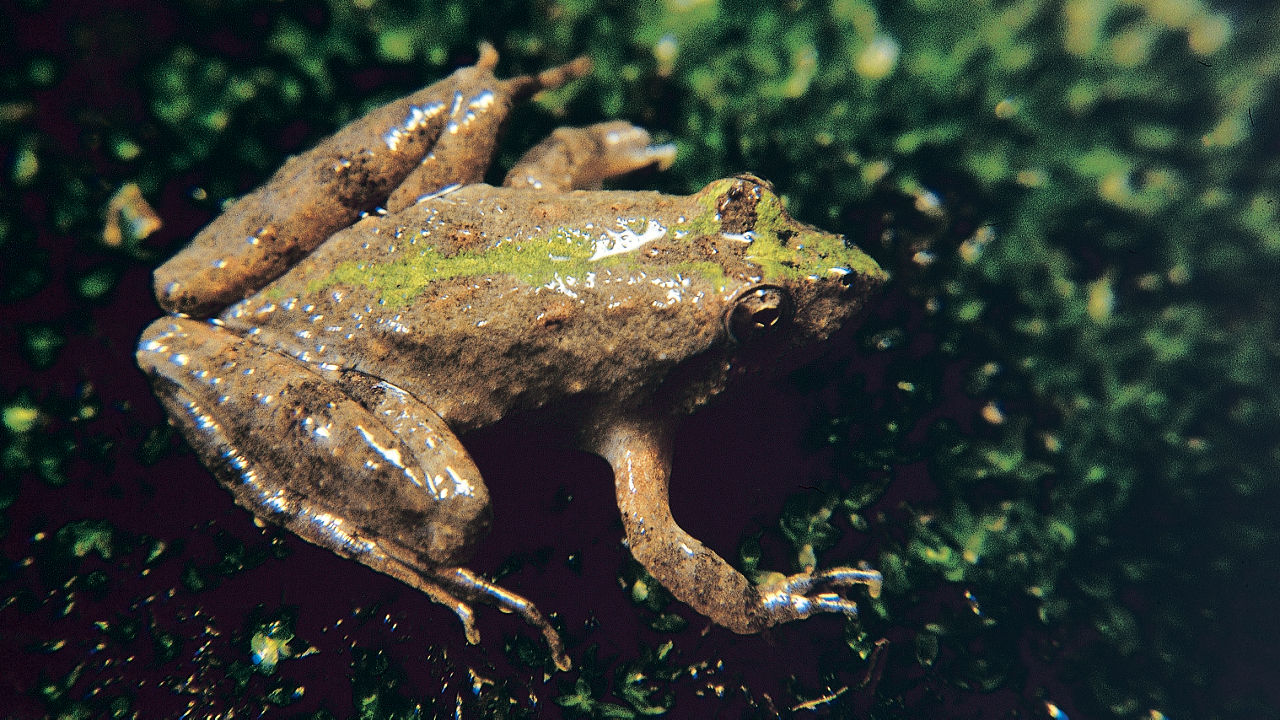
166 345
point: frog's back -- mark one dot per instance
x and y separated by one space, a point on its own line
489 299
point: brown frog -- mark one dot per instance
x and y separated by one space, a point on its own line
334 332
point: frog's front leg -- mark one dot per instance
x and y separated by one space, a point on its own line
580 158
640 453
342 459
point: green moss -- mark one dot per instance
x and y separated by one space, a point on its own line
20 417
706 222
709 271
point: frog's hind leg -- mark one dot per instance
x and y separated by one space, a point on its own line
456 588
441 135
349 544
580 158
345 461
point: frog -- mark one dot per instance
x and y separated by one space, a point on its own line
330 337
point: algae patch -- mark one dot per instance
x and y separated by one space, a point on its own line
536 261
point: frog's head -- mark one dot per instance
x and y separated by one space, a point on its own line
794 280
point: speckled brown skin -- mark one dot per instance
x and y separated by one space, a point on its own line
330 399
534 346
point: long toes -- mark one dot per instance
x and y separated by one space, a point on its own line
833 603
845 576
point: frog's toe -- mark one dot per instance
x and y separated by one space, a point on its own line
468 584
833 603
845 576
628 147
465 614
413 577
783 607
792 599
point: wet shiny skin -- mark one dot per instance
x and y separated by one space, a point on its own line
334 332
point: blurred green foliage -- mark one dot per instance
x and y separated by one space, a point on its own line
1077 199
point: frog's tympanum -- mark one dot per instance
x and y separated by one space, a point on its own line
333 333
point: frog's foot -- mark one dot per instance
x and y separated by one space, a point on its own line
464 582
406 574
792 598
447 585
580 158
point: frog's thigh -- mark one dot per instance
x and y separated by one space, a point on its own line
289 443
579 158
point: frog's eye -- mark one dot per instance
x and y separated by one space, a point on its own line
757 312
